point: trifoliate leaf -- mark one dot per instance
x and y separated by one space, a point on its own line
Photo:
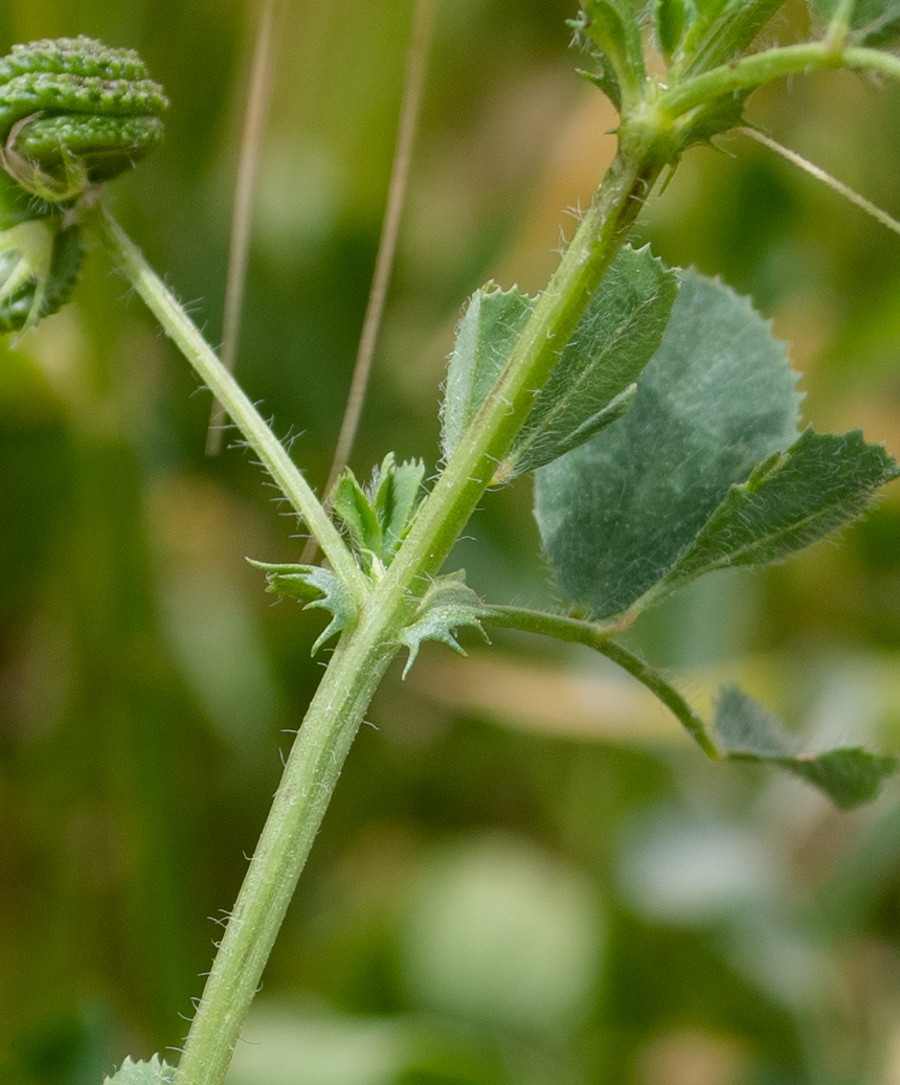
616 514
316 587
447 605
153 1072
823 482
592 384
487 333
379 515
745 731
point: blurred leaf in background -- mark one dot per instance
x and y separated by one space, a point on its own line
544 887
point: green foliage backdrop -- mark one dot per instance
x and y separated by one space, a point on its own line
526 875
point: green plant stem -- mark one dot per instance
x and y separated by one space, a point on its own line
364 653
759 68
309 779
489 438
598 635
178 325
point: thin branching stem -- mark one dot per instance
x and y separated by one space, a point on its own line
598 635
225 388
760 68
385 607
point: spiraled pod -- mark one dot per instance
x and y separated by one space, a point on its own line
73 113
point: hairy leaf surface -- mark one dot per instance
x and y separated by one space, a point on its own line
447 605
821 483
487 333
315 587
616 514
590 388
378 516
616 337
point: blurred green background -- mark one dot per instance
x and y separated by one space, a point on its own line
527 875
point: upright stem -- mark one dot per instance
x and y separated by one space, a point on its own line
469 471
309 779
363 654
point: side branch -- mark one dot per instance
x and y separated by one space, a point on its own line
759 68
190 342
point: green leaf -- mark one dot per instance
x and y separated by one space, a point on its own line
592 384
447 605
712 119
616 514
823 482
316 588
153 1072
669 23
398 490
700 16
353 507
744 731
380 515
491 325
615 27
605 80
715 41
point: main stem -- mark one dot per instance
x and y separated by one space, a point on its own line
363 655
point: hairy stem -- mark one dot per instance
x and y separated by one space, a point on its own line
307 784
363 654
469 471
193 346
759 68
597 636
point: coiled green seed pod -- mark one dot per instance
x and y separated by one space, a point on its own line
73 113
